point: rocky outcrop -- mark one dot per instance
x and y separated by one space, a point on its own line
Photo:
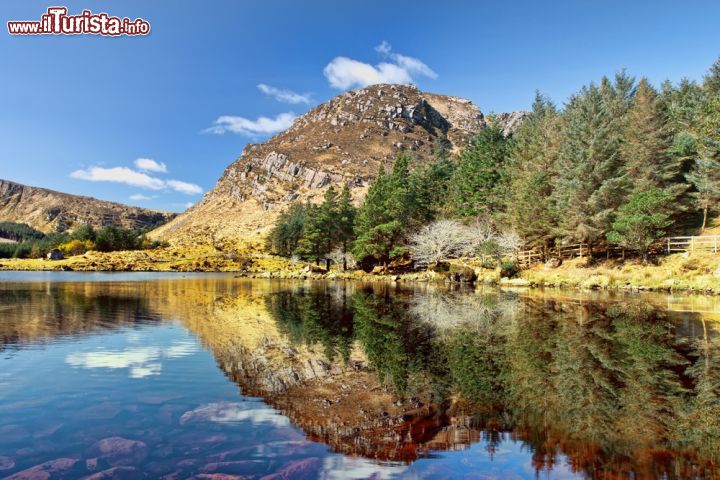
509 122
51 211
345 140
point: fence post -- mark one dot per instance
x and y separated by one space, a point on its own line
692 244
668 245
715 244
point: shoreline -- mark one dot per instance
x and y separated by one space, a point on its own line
697 274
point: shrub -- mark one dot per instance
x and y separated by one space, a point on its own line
509 269
76 247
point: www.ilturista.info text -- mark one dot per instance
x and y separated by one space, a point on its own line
57 22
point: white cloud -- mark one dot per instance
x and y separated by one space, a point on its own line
261 126
119 175
134 178
184 187
188 205
346 468
139 197
283 95
140 362
180 349
384 48
150 165
344 73
233 412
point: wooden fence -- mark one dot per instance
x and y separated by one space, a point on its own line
706 243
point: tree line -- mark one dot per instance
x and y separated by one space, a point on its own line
623 163
30 243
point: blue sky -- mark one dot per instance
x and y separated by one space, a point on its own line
79 111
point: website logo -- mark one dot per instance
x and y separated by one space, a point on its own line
56 21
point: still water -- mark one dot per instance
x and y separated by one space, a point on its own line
110 376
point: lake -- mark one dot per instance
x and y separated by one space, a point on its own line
134 375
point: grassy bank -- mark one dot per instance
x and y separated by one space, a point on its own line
699 272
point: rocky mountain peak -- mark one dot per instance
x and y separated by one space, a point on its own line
344 140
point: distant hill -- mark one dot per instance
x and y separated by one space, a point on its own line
344 140
50 211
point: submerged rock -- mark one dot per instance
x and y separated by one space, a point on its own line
44 471
306 468
6 463
119 450
114 473
217 476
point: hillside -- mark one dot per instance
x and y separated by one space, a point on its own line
346 139
51 211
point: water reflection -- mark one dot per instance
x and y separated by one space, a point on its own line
616 386
608 386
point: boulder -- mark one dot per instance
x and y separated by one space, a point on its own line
439 267
461 274
378 270
554 262
313 269
55 254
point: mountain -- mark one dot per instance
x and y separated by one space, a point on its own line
51 211
346 139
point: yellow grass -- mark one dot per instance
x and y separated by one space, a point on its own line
679 272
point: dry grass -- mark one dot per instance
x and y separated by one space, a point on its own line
177 258
680 272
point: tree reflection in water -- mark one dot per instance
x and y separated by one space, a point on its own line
616 386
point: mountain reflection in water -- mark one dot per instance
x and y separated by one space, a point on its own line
603 386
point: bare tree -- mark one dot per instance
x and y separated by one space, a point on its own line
340 258
484 238
445 239
439 240
475 312
479 235
508 242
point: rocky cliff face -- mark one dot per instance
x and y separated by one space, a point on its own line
51 211
346 139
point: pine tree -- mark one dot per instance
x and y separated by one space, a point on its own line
530 210
647 147
682 105
430 185
618 96
478 182
328 219
320 232
588 183
387 214
711 82
313 237
345 222
285 235
642 220
705 178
